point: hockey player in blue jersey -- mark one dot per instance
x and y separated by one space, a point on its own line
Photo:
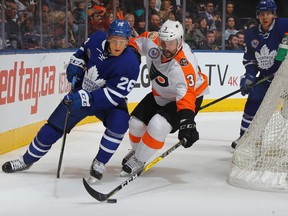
106 71
262 42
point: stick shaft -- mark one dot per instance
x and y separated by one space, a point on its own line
102 197
65 130
236 91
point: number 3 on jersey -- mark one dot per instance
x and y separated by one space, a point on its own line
190 77
125 84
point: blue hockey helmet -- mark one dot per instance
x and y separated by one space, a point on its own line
266 5
120 28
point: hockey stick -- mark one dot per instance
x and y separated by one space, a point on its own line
102 197
237 91
68 103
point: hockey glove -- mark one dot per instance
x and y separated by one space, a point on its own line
245 84
81 98
187 128
75 68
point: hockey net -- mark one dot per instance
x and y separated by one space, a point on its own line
260 160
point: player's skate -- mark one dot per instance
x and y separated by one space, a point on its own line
96 171
132 166
235 143
128 156
15 165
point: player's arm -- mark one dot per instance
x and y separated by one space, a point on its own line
77 64
251 68
186 105
117 88
139 43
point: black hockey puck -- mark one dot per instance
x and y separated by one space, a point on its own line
111 200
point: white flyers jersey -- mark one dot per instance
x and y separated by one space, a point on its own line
177 79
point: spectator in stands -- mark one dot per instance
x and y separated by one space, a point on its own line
240 36
139 11
107 19
30 34
230 27
59 31
231 13
97 5
4 42
119 12
189 31
79 19
46 27
29 6
251 23
12 27
140 25
22 16
200 33
131 20
232 43
155 23
95 21
209 15
166 11
210 42
152 8
79 13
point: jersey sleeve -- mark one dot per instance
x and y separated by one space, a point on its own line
121 83
249 59
192 84
139 42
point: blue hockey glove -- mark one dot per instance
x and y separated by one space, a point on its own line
245 84
81 98
75 68
187 128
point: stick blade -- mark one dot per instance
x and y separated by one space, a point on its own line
95 194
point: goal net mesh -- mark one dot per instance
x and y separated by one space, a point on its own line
260 160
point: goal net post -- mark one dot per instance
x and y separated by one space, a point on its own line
260 160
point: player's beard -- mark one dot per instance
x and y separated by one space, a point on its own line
168 54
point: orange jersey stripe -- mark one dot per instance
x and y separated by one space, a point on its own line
189 99
151 142
134 139
154 92
204 85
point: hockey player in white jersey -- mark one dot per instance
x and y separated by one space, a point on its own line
177 93
262 42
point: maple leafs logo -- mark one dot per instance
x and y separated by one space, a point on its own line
91 81
265 58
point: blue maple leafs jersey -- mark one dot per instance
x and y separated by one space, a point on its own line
261 48
108 78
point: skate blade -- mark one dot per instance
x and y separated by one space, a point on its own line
92 181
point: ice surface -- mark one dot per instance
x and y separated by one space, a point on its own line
188 182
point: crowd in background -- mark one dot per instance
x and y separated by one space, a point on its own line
57 24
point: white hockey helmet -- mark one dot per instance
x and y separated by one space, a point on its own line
171 30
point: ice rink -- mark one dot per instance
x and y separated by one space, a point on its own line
188 182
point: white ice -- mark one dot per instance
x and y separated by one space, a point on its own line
188 182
